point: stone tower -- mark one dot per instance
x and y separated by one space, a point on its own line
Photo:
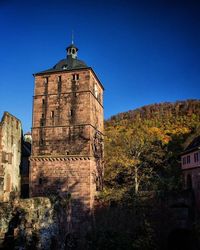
67 132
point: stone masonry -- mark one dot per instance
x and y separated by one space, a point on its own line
67 134
10 156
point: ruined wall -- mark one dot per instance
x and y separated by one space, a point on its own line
62 175
10 155
37 223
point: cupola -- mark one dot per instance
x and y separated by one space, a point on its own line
72 51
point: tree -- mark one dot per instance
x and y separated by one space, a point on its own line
134 157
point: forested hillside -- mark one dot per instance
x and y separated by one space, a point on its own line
142 174
143 146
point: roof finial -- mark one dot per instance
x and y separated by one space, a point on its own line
72 37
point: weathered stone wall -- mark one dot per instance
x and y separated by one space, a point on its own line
63 175
65 115
10 155
36 223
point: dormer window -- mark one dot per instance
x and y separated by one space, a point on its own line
64 67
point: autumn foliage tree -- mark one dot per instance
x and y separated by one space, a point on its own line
142 147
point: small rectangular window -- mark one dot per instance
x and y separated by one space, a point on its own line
4 157
72 112
46 80
188 159
41 142
196 157
52 114
10 158
17 124
59 87
59 78
75 77
40 181
12 139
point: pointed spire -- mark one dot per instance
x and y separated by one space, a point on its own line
72 49
72 37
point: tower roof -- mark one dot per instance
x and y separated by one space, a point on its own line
69 63
66 64
72 46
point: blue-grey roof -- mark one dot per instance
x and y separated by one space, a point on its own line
195 144
66 64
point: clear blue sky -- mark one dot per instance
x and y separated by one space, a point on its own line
143 51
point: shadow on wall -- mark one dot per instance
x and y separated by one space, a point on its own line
43 222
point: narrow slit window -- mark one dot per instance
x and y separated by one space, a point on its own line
59 84
196 157
41 142
72 112
43 101
46 80
188 159
40 181
52 114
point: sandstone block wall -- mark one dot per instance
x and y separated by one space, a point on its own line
10 155
67 138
